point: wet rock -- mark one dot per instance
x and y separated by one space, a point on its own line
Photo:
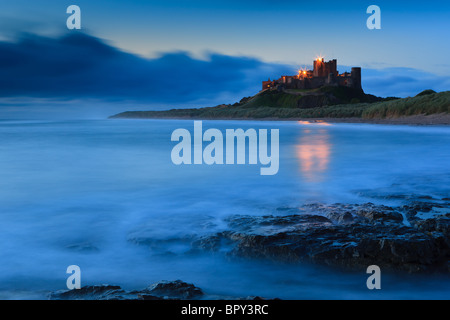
380 215
412 237
149 297
441 224
341 217
392 247
211 243
275 224
98 292
162 290
348 236
174 290
414 207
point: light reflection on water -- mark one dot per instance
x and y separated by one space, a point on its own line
313 152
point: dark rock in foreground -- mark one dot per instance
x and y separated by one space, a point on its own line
174 290
348 236
414 238
99 292
162 290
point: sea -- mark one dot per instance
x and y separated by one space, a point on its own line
106 196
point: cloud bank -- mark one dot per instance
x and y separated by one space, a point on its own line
402 82
79 66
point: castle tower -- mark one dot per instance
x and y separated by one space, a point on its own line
319 66
323 69
356 78
332 67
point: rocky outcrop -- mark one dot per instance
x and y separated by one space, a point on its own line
347 236
413 237
97 292
173 290
162 290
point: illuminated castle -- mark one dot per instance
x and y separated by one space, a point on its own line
323 74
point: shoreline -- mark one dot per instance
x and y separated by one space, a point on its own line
425 120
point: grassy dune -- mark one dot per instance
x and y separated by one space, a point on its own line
284 106
421 104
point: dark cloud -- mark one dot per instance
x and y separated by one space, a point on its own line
79 66
402 82
82 66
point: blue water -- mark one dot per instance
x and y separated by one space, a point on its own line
83 192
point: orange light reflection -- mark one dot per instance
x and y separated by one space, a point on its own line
313 153
318 122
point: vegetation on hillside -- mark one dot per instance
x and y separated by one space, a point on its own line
426 102
281 105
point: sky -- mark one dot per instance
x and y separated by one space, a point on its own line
177 53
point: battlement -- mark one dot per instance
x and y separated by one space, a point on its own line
323 74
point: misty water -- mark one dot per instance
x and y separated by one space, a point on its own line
85 192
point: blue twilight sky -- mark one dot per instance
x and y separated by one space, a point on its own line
180 53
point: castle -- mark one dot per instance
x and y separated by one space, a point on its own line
323 74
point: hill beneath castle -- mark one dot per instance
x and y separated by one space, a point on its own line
338 103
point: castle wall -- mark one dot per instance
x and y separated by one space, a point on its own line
267 84
324 73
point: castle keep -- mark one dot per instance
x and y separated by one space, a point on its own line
323 74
